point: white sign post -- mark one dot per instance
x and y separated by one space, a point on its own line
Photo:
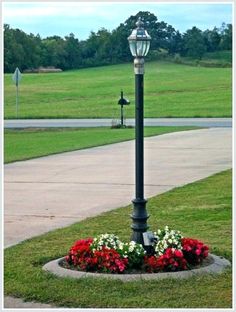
16 78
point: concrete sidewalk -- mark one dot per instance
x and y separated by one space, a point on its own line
54 191
106 122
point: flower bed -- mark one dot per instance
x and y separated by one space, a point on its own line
107 254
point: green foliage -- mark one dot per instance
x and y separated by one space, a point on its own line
20 50
212 39
202 210
218 59
108 47
226 37
225 56
171 90
31 143
194 45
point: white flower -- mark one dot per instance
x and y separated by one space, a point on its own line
167 239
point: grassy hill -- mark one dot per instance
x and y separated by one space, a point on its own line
224 56
217 59
171 90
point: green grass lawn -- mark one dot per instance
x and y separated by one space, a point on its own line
201 210
30 143
171 90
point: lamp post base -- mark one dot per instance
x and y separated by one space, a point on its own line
139 217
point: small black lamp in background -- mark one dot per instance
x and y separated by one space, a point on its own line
122 101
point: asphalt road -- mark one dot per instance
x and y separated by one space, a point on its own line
74 123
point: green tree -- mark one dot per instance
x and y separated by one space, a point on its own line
175 43
72 52
226 37
20 50
193 43
105 47
53 52
212 39
163 35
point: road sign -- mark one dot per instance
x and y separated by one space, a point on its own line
16 76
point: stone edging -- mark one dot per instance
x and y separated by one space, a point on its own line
217 266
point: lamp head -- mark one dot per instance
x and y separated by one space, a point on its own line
139 40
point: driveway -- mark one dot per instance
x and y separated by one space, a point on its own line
51 192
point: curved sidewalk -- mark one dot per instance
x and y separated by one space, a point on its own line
54 191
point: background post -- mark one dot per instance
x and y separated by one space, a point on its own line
16 78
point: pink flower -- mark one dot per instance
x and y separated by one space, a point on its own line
178 253
198 252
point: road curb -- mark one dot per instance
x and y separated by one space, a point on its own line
217 266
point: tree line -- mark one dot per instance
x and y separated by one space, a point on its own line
28 51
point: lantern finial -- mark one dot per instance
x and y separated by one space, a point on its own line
139 23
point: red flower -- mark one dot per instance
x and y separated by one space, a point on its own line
151 264
178 253
80 252
108 260
171 260
194 250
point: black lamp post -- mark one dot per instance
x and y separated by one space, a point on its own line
139 43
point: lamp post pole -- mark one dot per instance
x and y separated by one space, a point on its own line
139 215
139 45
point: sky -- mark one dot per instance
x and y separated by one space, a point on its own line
80 18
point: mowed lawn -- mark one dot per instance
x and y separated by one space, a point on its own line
171 90
201 210
30 143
